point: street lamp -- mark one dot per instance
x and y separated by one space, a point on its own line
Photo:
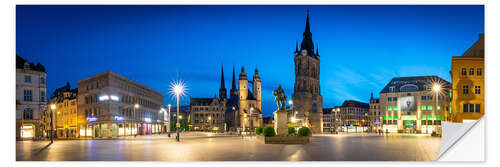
136 106
52 107
436 88
177 88
168 117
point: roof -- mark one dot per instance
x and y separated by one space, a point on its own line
477 49
418 81
201 101
354 103
20 64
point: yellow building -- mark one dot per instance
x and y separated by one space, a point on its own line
65 114
467 75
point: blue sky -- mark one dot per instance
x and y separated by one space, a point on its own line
361 47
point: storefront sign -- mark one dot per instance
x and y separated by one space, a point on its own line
91 119
118 118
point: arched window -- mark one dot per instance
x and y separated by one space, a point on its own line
409 88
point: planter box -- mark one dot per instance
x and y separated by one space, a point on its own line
283 139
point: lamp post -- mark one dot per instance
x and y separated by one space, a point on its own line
136 106
52 108
168 125
436 88
178 89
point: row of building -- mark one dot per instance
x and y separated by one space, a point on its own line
418 104
104 105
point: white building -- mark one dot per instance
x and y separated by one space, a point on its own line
31 98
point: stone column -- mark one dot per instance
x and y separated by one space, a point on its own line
281 122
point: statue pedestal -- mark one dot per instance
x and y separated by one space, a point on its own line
281 122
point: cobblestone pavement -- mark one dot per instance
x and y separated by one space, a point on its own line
234 148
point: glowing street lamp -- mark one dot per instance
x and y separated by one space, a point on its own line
177 88
436 88
52 107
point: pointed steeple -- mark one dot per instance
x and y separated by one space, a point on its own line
222 89
234 91
296 45
222 84
371 97
307 24
307 43
317 49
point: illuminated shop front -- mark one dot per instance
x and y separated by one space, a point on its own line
27 131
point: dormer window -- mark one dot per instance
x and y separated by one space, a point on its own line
391 89
409 88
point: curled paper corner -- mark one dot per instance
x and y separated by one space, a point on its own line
452 133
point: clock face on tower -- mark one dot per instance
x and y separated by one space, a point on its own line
304 52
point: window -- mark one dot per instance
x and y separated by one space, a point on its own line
471 107
429 107
471 71
395 99
478 108
27 79
389 99
424 97
42 96
477 90
479 72
28 95
423 107
391 89
465 89
28 114
409 88
464 71
42 80
389 108
465 108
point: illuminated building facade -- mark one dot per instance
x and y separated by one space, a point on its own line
208 114
354 116
375 115
65 114
331 119
31 99
467 78
110 105
307 99
409 105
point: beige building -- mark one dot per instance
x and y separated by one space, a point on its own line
31 99
208 114
354 116
409 105
65 113
467 77
110 105
307 99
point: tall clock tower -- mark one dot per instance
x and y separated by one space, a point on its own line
307 99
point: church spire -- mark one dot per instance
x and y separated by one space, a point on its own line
234 91
317 49
307 23
222 90
296 45
307 43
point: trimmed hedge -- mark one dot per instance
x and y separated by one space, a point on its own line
258 130
304 131
268 131
291 130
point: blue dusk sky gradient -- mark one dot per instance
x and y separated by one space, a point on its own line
362 47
